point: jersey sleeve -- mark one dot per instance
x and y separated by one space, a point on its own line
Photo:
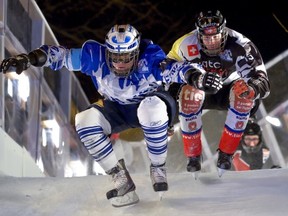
173 53
58 57
151 58
86 59
91 55
163 69
176 51
251 68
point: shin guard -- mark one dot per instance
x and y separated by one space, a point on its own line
192 144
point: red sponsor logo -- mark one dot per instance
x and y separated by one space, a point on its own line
192 126
242 105
239 125
191 137
193 50
191 99
232 134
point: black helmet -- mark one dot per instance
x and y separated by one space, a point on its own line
208 24
252 128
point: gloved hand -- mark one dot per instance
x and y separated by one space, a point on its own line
242 90
209 82
18 63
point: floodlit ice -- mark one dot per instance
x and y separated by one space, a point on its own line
259 192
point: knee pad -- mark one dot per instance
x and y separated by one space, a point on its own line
152 111
91 118
190 100
170 104
241 105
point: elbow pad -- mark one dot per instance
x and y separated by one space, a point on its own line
37 57
261 86
191 77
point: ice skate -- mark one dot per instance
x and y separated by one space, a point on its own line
194 166
224 162
159 179
124 192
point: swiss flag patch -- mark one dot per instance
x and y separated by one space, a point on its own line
192 50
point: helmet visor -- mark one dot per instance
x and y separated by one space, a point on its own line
122 64
209 21
121 58
212 41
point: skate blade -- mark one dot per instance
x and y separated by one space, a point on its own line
221 172
125 200
161 194
195 174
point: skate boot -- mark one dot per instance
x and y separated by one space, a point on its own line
194 165
224 162
158 177
124 192
170 130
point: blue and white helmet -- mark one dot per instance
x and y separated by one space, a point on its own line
122 43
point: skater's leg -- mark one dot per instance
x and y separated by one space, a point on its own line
153 117
93 130
190 111
235 123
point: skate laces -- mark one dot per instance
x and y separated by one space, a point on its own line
194 160
194 164
119 179
224 160
158 174
224 157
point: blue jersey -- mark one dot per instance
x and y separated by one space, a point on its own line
91 60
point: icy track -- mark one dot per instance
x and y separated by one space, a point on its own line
261 192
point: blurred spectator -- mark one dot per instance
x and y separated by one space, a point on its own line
252 154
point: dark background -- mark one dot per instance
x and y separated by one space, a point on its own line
73 22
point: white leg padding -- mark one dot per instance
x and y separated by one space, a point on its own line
238 112
153 117
93 128
190 104
152 111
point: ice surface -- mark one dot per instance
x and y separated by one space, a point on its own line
260 192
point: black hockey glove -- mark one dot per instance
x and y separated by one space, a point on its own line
17 63
209 82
